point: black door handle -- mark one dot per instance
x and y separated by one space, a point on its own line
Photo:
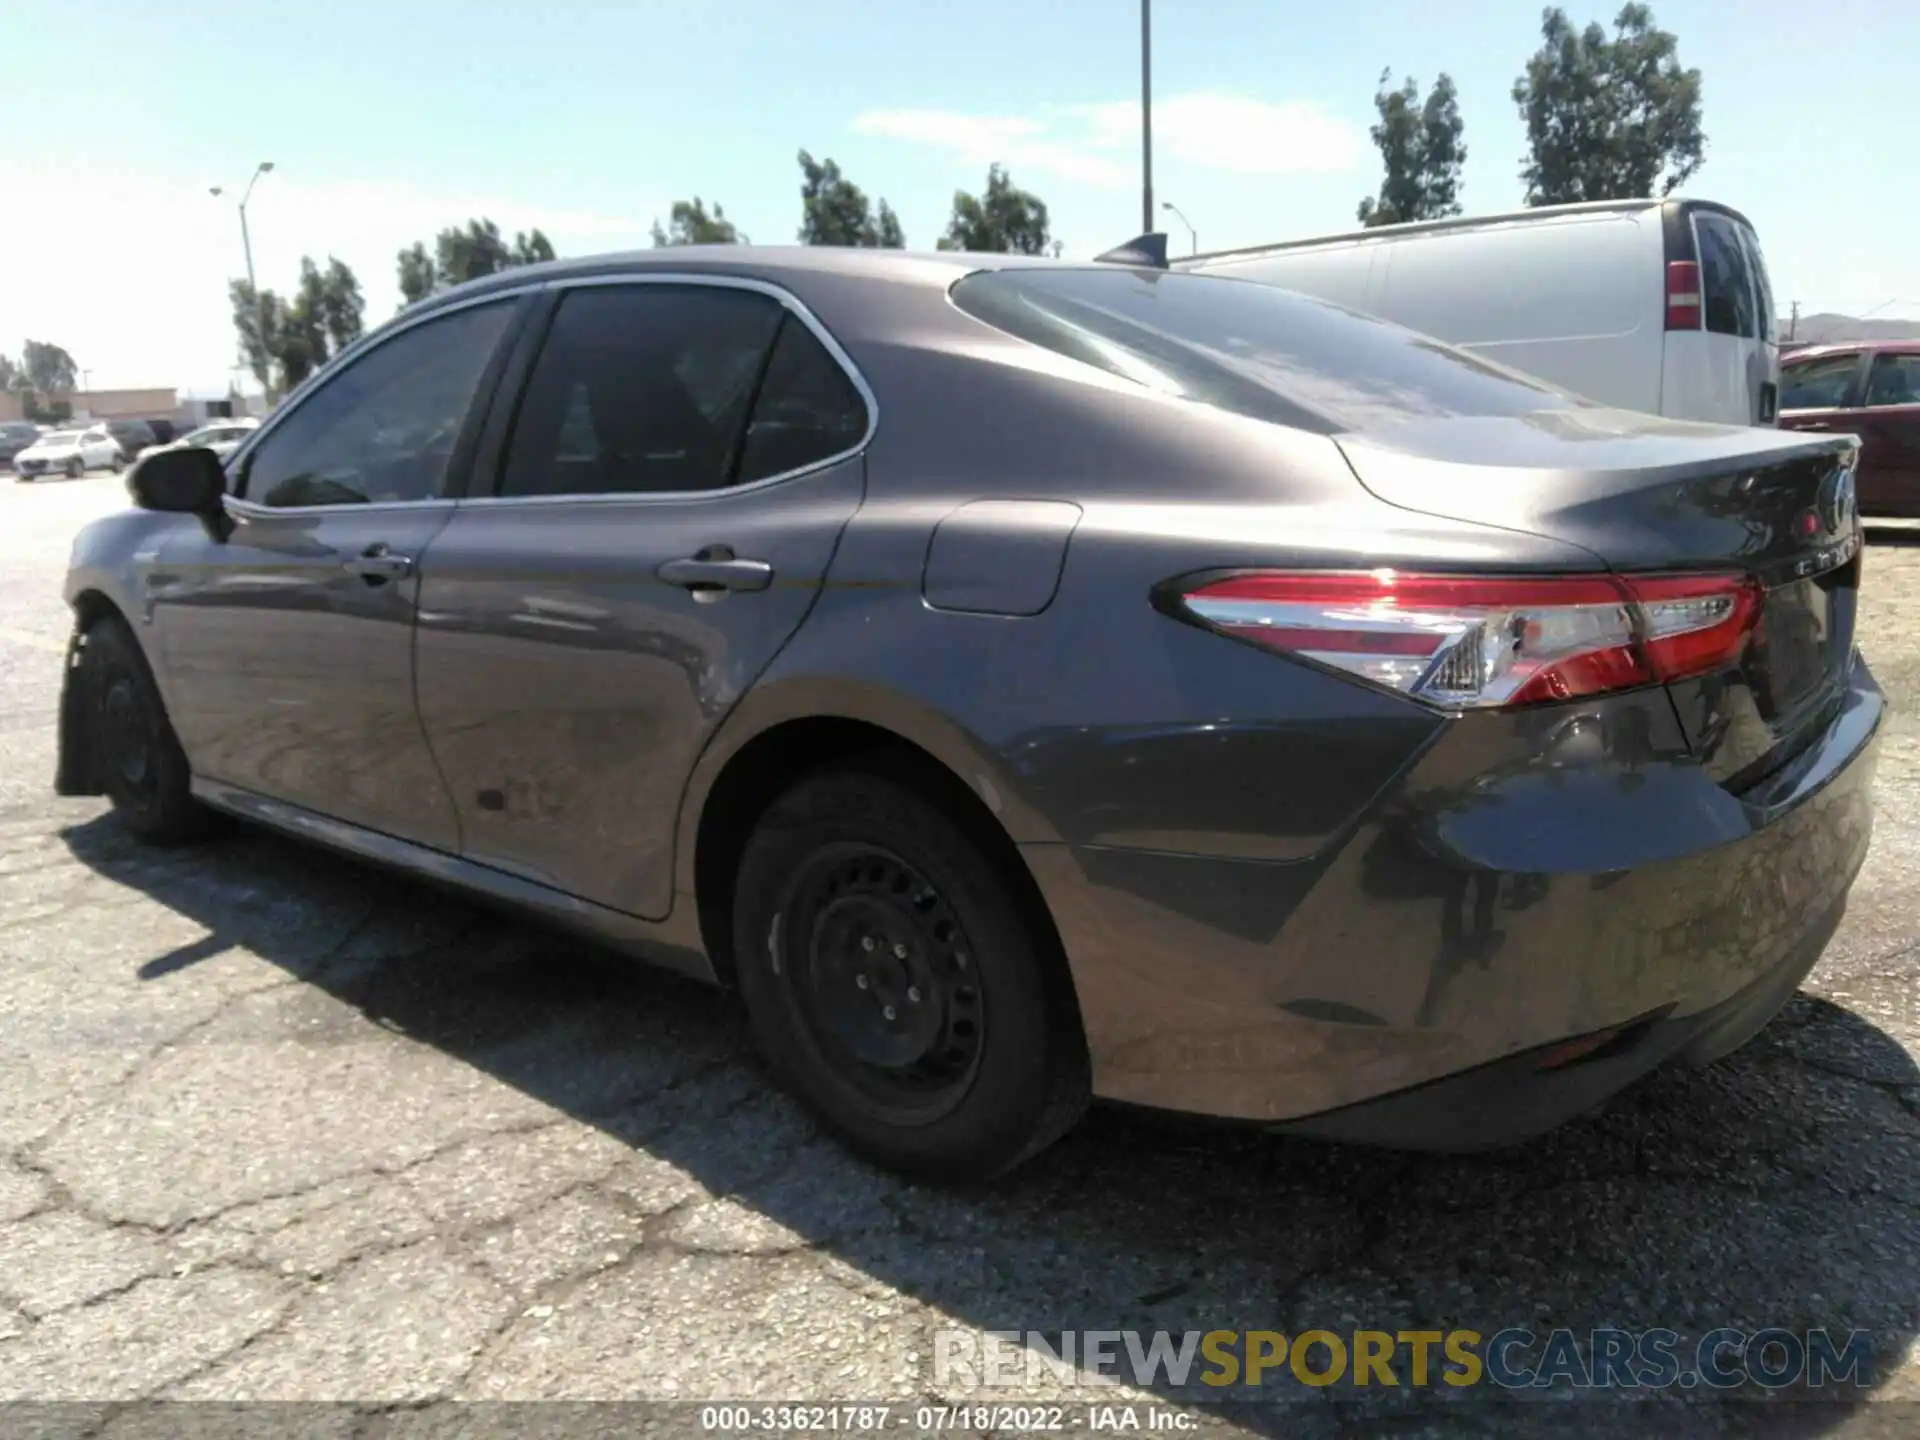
715 572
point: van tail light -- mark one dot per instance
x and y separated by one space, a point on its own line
1471 642
1683 295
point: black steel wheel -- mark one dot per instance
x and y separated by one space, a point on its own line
898 985
134 753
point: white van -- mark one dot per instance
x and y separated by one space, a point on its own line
1654 305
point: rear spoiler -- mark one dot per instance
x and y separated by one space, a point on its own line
1149 250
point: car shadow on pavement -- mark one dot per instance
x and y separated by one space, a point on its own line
1779 1188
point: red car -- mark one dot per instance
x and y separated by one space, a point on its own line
1870 389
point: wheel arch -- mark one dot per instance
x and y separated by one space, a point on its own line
800 731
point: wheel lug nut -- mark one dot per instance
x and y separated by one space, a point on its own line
913 995
959 961
899 952
866 942
890 1013
860 981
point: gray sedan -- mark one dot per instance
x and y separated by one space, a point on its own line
1026 681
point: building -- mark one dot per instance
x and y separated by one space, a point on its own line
155 404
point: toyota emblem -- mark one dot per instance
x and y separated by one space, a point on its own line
1838 506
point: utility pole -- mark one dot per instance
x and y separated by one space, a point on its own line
1793 321
1146 116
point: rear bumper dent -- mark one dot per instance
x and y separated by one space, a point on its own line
1465 927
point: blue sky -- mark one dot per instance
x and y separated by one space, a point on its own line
388 120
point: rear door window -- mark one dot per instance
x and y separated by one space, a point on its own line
1894 380
640 389
1250 348
1821 383
1726 279
1762 285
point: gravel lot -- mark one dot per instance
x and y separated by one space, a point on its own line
276 1126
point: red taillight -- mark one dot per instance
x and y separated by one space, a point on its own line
1683 295
1468 642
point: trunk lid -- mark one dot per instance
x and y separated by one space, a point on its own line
1644 494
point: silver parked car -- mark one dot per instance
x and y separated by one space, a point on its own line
1027 680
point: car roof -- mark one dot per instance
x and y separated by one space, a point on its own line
1851 347
772 263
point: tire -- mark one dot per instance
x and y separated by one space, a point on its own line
76 468
948 1049
135 753
117 463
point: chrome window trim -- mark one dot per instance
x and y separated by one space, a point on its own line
400 325
795 307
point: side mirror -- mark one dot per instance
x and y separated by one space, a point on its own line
182 482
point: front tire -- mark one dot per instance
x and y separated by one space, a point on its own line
76 468
136 755
896 983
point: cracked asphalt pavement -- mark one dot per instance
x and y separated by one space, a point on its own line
277 1126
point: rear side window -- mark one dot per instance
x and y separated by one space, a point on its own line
1726 280
1894 380
1821 383
640 389
1249 348
807 410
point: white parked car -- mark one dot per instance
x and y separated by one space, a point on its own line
1662 306
70 452
222 437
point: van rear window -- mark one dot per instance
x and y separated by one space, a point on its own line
1247 347
1726 280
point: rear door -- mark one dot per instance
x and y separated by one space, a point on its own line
1723 371
670 489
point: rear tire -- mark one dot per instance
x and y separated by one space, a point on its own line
136 755
897 985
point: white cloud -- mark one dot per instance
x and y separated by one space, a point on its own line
1097 144
130 273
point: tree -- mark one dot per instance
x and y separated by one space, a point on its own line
256 319
47 367
531 248
1608 119
343 309
465 252
1002 218
416 274
10 376
690 224
1421 149
835 211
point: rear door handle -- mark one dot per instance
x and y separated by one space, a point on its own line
716 571
377 564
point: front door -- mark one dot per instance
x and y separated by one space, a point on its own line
683 461
289 646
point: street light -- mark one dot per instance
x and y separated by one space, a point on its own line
246 244
1192 234
1146 116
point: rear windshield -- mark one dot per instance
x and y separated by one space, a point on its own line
1726 277
1247 347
